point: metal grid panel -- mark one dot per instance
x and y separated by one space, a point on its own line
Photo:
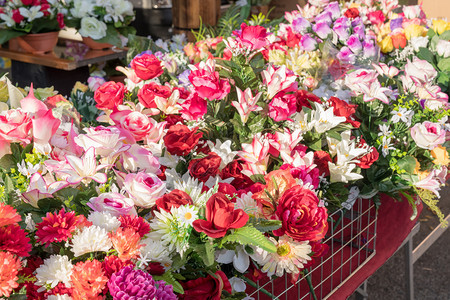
351 240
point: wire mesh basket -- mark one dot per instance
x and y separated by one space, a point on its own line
351 240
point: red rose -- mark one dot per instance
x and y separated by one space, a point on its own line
16 16
149 91
228 190
173 119
302 219
175 198
146 66
304 98
321 159
220 216
234 170
203 168
367 160
109 95
206 288
343 109
352 13
179 140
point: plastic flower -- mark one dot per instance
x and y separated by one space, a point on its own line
14 239
386 145
8 215
246 103
9 267
138 224
324 120
402 114
186 214
38 189
104 220
58 227
137 284
278 80
155 251
90 239
54 270
291 256
126 242
85 168
255 155
88 280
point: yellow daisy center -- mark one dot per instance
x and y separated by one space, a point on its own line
284 250
188 216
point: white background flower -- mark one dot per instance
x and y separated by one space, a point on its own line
93 28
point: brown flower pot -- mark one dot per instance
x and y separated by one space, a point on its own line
95 45
35 43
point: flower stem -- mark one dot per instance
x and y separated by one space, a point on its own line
264 291
311 288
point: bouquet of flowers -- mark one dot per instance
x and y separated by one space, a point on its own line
18 18
103 21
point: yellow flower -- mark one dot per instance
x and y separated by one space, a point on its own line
386 44
414 30
277 57
385 29
440 26
423 174
417 168
441 156
79 86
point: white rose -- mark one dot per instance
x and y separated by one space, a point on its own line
93 28
418 42
443 48
420 70
123 8
82 9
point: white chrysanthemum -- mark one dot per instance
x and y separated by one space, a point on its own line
54 270
191 186
104 220
91 239
170 231
59 297
154 251
247 204
290 256
186 214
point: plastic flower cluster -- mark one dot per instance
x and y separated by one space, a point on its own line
22 17
103 21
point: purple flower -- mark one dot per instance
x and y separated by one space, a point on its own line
396 23
308 43
354 44
341 20
334 10
301 25
144 52
324 17
183 78
359 31
369 49
342 31
346 55
357 22
322 30
137 284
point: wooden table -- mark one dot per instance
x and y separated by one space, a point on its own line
58 68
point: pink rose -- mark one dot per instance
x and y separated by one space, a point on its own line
114 203
144 188
137 124
105 140
252 37
15 126
428 135
139 158
282 106
207 82
146 66
194 107
376 17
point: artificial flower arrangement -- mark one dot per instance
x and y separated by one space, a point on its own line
186 184
102 21
18 18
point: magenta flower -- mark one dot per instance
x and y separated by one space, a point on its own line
252 37
322 29
354 44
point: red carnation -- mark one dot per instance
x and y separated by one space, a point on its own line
8 215
146 66
112 264
16 16
175 198
137 223
367 160
59 227
14 239
179 140
206 167
220 216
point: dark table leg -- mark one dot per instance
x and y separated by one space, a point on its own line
23 74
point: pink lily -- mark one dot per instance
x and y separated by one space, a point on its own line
246 103
129 72
31 104
39 189
84 169
384 69
278 80
44 127
256 155
375 91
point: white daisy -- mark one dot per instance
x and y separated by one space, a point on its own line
104 220
402 114
91 239
186 214
54 270
290 256
386 146
384 130
247 204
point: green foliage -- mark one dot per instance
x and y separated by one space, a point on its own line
8 34
249 235
84 103
138 44
205 251
264 225
169 278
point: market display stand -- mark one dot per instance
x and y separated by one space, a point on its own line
57 68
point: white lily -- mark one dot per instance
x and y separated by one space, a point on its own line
239 258
84 169
32 13
38 189
342 173
223 150
324 120
375 91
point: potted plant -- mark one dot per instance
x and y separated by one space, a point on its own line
101 24
34 25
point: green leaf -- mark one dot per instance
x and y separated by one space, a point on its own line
49 204
444 64
407 163
7 162
258 178
249 235
445 35
264 225
112 36
335 135
426 54
205 251
169 278
316 145
8 34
